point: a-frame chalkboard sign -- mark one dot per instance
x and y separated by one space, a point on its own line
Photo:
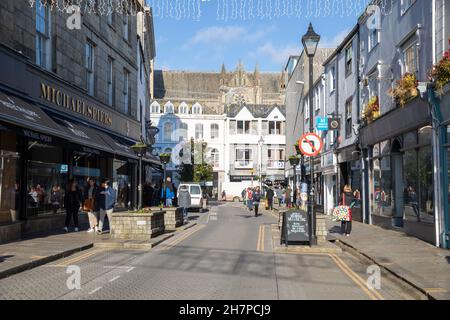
295 227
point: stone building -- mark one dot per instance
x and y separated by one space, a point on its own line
68 106
205 103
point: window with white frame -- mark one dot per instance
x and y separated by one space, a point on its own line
348 118
168 129
43 36
183 108
196 108
406 4
243 127
332 77
155 107
373 85
243 157
110 81
215 158
275 158
90 64
316 98
349 60
126 26
168 107
126 91
276 127
306 108
183 131
199 131
373 38
410 58
214 131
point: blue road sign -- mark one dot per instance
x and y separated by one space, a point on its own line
322 124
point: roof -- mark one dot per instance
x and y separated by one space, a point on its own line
258 111
342 44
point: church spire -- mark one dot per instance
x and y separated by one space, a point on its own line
256 75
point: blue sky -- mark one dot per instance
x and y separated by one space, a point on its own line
266 35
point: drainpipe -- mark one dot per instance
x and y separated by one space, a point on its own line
438 184
338 191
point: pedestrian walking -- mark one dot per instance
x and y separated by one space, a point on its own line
107 200
244 196
256 197
298 198
73 202
347 200
91 205
167 193
270 194
249 199
56 198
287 197
184 201
224 196
279 193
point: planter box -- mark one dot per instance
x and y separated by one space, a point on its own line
173 218
137 226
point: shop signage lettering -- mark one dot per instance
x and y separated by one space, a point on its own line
62 99
37 136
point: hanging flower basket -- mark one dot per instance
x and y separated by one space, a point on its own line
440 74
297 148
165 158
294 160
372 110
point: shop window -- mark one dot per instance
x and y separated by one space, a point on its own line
425 175
410 193
10 168
382 186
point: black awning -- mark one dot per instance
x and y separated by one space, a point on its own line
151 158
18 112
83 135
119 147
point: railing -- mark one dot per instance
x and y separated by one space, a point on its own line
243 164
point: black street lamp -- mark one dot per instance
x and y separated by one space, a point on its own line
204 145
140 149
310 42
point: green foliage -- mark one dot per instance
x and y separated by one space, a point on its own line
203 172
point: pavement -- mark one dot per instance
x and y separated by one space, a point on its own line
37 249
414 261
228 255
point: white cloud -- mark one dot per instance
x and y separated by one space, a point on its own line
335 41
218 36
278 55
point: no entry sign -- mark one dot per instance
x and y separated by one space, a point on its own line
310 144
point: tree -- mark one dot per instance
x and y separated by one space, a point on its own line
203 172
188 172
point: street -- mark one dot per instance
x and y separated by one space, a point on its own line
228 255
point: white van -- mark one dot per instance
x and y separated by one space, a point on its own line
196 194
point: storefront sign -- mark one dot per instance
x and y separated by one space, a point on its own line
322 123
240 178
61 99
37 136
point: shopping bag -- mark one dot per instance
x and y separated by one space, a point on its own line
342 213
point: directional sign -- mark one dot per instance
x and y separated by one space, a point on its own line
310 144
322 124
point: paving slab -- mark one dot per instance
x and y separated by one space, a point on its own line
420 264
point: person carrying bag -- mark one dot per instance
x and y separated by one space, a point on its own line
343 212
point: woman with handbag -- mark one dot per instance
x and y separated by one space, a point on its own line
347 200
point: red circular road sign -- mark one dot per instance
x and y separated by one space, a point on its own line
310 144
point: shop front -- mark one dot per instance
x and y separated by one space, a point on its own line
400 169
51 132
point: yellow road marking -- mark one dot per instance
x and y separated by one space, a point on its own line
374 295
435 290
181 238
260 245
78 258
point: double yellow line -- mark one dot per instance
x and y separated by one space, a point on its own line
260 245
182 237
78 258
373 294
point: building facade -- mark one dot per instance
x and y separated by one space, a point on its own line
387 147
223 109
68 108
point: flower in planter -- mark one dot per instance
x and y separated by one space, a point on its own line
372 110
440 74
405 90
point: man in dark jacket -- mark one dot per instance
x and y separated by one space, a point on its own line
270 195
107 200
256 199
73 201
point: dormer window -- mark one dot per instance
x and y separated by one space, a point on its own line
155 107
168 107
197 109
183 108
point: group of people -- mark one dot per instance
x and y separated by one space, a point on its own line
96 200
252 198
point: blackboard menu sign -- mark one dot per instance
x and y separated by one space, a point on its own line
295 227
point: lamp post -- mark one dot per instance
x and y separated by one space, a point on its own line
310 42
140 148
260 144
204 144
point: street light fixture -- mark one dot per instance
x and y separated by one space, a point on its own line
310 42
140 149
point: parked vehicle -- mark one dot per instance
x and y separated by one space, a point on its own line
196 194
